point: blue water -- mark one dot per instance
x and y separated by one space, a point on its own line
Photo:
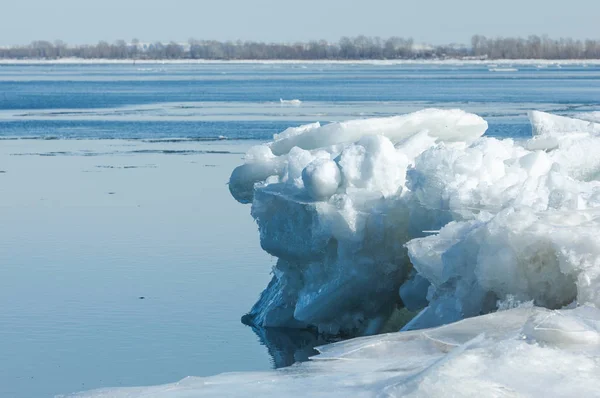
212 101
127 262
142 130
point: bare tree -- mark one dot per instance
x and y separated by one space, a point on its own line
351 48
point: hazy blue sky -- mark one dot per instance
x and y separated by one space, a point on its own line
434 21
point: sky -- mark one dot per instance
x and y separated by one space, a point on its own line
427 21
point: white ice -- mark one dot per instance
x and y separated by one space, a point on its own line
332 204
521 352
495 69
340 204
294 102
547 124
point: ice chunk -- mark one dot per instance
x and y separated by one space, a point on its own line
373 164
336 213
465 181
321 179
413 292
293 131
446 125
294 102
551 258
536 164
543 123
424 127
260 164
577 156
573 142
347 200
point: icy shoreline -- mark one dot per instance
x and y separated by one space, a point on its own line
449 62
522 352
494 243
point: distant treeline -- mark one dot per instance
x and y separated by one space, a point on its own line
354 48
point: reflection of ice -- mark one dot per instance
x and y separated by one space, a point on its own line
289 346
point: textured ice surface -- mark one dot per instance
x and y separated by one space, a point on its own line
547 124
332 205
340 204
525 223
521 352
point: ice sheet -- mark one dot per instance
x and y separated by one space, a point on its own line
522 352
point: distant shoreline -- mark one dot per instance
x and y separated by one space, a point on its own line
450 61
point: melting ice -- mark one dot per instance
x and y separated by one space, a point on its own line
422 214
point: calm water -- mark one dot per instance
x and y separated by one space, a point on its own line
123 259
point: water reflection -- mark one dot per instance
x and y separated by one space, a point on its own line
288 346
